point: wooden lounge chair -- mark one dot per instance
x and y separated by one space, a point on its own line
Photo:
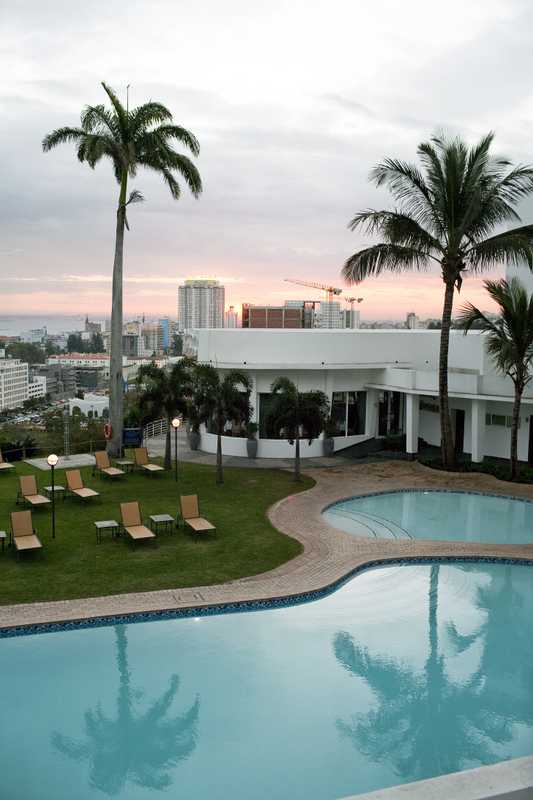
103 465
75 485
132 523
190 513
141 460
23 535
29 493
5 466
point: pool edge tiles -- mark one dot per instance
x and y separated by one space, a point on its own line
424 490
248 606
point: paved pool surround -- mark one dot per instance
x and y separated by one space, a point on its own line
329 555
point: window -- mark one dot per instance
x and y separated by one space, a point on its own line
348 410
500 419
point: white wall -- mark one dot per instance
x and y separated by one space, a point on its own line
273 448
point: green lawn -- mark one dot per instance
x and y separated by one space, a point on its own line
73 565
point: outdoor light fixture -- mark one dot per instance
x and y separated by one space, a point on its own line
176 422
52 461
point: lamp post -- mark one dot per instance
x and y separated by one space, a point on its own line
52 461
176 422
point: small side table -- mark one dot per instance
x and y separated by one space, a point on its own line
3 537
162 521
125 464
106 524
56 489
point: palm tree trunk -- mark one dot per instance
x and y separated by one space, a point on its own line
447 444
297 473
220 471
514 430
116 384
168 456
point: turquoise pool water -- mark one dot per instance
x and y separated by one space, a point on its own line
454 516
403 673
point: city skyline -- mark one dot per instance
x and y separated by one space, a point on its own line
285 152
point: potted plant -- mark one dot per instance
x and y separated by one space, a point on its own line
251 441
330 429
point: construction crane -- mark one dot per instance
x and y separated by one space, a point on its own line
330 291
352 300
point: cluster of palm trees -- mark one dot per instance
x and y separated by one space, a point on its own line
201 395
449 213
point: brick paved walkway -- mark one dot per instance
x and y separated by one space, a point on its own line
328 555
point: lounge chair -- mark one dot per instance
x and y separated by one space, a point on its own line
103 465
190 513
23 535
141 460
29 493
132 523
75 485
5 466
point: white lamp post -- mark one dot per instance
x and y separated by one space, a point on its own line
176 422
52 461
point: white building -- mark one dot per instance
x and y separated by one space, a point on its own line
37 387
201 304
231 318
329 314
411 321
378 382
92 405
13 383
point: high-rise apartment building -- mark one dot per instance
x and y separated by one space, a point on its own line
231 318
329 315
201 304
14 380
411 321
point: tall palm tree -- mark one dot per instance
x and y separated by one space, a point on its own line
509 342
142 137
447 214
166 392
219 400
136 746
295 414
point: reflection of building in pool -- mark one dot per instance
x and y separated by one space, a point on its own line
134 746
379 383
434 720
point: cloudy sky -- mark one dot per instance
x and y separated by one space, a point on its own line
293 102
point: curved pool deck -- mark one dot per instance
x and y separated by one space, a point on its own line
329 554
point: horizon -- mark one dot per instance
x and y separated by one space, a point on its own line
285 153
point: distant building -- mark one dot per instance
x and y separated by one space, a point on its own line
201 304
37 387
35 336
411 321
13 383
351 318
231 318
329 315
92 327
165 331
60 379
273 316
93 406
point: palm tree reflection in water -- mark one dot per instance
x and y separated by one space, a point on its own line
136 746
424 723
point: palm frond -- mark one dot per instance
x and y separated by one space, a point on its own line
379 258
98 119
120 111
511 247
61 136
181 135
396 228
408 187
150 113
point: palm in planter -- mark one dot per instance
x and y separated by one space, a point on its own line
293 413
219 401
142 137
165 392
509 342
445 216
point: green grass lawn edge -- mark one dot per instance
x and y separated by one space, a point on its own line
73 565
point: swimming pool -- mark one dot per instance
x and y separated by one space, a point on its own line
403 673
452 516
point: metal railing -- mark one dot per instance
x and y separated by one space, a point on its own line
158 427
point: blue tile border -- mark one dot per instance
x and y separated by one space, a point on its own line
244 606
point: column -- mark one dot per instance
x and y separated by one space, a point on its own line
371 413
412 403
477 421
